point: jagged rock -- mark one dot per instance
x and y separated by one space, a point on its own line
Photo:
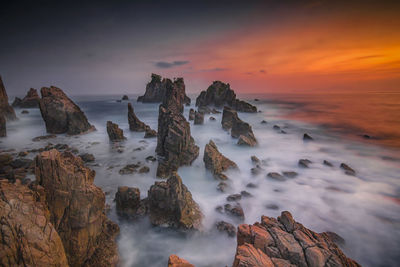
125 97
144 169
198 118
77 209
220 94
171 203
127 201
61 114
28 236
44 137
228 116
276 176
134 123
290 174
114 132
347 169
87 157
191 114
246 141
327 163
284 242
304 163
150 133
156 90
204 110
234 197
223 226
5 109
234 210
254 159
175 145
3 126
264 122
175 261
307 137
216 162
31 100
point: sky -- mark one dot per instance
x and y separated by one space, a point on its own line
112 47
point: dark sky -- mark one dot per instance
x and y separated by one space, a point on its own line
106 47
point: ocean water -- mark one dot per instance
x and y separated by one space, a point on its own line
363 209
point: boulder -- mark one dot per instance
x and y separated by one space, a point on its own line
198 118
31 100
5 109
216 162
61 114
127 201
175 261
114 132
170 203
246 141
3 126
28 236
125 97
87 157
276 176
191 114
307 137
304 163
226 227
285 242
77 208
347 169
235 210
220 94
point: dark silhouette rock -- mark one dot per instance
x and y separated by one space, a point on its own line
25 111
5 109
150 133
216 162
87 157
327 163
31 100
226 227
285 242
290 174
61 114
3 126
234 197
135 124
307 137
304 163
125 97
246 141
114 132
198 118
228 116
127 201
276 176
347 169
235 210
220 94
175 261
191 114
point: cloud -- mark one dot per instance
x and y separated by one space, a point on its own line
263 71
214 69
166 65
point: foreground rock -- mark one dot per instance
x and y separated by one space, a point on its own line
175 261
284 242
28 236
175 145
5 109
220 94
127 201
77 209
216 162
61 114
156 89
170 203
114 132
31 100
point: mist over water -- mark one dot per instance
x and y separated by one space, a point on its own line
363 209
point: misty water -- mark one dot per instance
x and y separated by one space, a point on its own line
363 209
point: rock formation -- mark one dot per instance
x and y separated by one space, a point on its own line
5 109
239 128
28 236
77 207
3 126
156 88
175 261
228 116
216 162
198 118
125 97
31 100
171 203
61 114
114 132
127 201
220 94
137 125
284 242
191 114
175 145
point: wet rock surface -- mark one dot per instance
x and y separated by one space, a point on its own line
114 132
175 261
216 162
31 100
5 109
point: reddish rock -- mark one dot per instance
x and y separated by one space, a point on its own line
175 261
5 109
216 162
114 132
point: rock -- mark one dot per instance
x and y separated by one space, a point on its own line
272 207
254 159
175 145
212 119
129 169
304 163
125 97
150 133
347 169
214 111
256 170
337 239
239 128
175 261
31 100
327 163
191 114
216 162
245 194
24 112
220 94
204 110
28 236
171 203
23 154
5 109
114 132
77 209
127 201
276 127
61 114
137 125
234 197
276 176
156 90
198 118
44 137
144 169
284 242
251 185
307 137
246 141
228 115
223 226
264 122
234 210
21 163
3 126
290 174
151 158
87 157
222 186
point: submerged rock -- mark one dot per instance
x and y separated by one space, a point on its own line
234 210
307 137
87 157
114 132
175 261
61 114
198 118
284 242
77 209
220 94
31 100
43 137
5 109
276 176
150 133
216 162
304 163
347 169
223 226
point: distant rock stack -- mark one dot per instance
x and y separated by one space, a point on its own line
61 114
239 128
156 89
5 109
220 94
175 145
31 100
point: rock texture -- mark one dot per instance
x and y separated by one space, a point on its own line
156 89
216 162
175 145
220 94
198 118
3 126
239 128
114 132
77 208
228 116
191 114
28 238
136 125
61 114
284 242
175 261
170 203
5 109
31 100
127 201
